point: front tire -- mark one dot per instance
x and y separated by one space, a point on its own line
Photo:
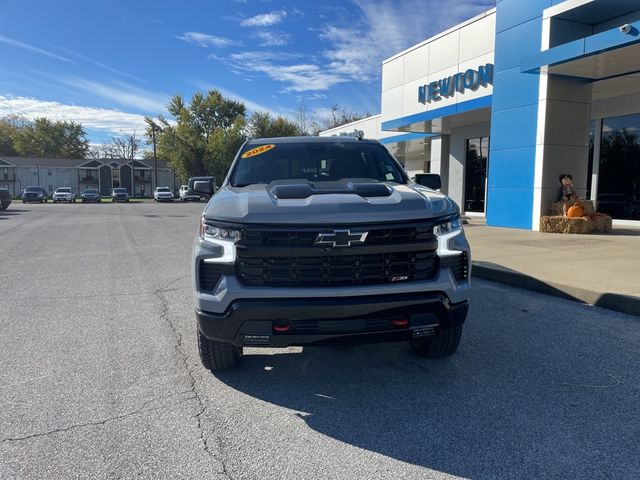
442 345
218 356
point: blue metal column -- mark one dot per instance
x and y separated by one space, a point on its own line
514 115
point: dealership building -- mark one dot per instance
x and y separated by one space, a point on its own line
505 102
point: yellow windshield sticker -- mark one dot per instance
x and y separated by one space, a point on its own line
258 150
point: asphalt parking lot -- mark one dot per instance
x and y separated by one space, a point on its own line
100 377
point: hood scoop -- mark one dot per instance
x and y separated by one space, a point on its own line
298 189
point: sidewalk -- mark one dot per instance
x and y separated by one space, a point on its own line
602 270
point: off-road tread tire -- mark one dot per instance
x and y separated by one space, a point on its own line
217 356
442 345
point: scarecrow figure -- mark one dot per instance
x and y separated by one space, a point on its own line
568 195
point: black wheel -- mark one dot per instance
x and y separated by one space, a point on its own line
216 356
444 344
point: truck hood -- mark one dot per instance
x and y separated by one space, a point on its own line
260 204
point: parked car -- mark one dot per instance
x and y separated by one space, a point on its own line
91 195
315 240
64 194
163 194
5 198
185 196
34 193
119 195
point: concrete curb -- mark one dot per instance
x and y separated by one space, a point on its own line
612 301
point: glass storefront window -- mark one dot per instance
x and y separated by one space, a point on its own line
619 174
475 174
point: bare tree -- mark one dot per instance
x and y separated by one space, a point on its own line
126 146
305 120
94 152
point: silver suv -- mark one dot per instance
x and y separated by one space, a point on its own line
317 240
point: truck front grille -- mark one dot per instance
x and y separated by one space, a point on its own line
337 271
288 256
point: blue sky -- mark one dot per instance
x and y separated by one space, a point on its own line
107 64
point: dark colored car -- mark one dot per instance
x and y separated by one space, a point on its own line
5 198
119 195
34 193
90 195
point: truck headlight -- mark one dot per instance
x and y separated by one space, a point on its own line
444 232
453 224
221 236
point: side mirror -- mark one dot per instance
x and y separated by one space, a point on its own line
202 185
429 180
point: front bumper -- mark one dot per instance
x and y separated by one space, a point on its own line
262 322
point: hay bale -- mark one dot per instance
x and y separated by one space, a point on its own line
593 223
601 223
561 224
588 207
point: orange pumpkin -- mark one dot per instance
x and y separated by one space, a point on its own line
575 211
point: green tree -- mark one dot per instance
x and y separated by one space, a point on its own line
263 125
9 127
204 135
51 139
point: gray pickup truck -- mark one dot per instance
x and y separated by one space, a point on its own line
321 240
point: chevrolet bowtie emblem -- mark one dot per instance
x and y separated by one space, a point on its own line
341 238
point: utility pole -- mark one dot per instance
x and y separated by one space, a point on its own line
155 156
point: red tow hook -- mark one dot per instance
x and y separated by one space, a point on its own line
281 327
400 322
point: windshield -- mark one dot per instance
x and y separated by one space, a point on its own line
317 162
163 189
33 189
63 190
119 190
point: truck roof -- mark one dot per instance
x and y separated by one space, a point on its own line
281 140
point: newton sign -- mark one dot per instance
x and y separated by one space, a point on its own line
472 79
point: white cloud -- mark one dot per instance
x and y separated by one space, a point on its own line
121 93
357 41
31 48
273 38
265 19
207 40
357 48
300 77
101 65
108 120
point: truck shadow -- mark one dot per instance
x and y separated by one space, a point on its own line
475 415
